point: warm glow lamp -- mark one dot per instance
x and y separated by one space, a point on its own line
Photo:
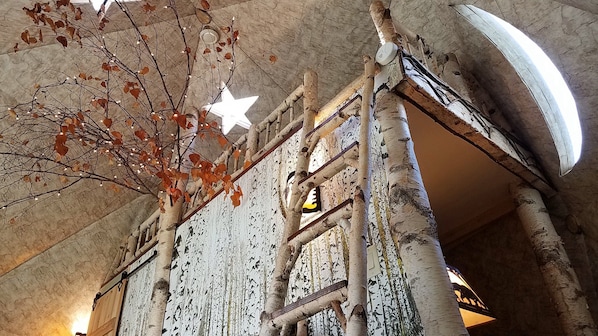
473 311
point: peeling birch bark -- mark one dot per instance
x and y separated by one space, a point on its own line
173 212
560 278
278 287
413 225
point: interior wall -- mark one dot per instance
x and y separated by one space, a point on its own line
499 263
137 299
224 256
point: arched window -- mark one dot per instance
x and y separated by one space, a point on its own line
542 78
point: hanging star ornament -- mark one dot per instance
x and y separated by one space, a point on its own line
231 110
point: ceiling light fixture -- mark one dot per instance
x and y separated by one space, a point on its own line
209 36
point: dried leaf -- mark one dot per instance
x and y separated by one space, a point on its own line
78 14
273 59
62 40
144 71
207 51
195 159
228 56
12 113
27 179
163 104
71 31
236 196
135 92
141 134
83 75
148 8
25 36
107 122
205 4
236 154
222 140
144 37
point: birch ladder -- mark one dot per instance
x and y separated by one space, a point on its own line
278 318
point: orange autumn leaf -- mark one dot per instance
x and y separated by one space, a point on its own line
107 122
59 144
205 4
222 140
62 40
228 56
195 159
25 36
236 196
148 8
135 92
273 59
141 134
246 164
144 71
236 154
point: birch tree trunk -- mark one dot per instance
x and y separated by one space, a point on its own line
357 280
284 262
560 278
173 212
161 289
413 226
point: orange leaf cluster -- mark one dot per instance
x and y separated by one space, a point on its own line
132 88
40 15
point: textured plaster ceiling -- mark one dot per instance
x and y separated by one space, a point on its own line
58 251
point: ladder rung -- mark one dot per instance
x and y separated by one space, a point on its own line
310 305
330 168
334 121
323 223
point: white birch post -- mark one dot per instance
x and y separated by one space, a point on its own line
277 290
357 281
560 278
168 221
413 226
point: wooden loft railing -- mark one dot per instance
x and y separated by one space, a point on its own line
260 140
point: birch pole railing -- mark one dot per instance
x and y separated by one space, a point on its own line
261 138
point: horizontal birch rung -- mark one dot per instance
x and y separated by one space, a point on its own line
322 224
333 122
310 305
330 168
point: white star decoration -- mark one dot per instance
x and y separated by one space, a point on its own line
231 110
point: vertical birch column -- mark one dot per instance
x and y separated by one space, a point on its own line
413 226
284 262
357 282
559 276
173 212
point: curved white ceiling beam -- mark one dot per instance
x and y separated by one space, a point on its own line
542 78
